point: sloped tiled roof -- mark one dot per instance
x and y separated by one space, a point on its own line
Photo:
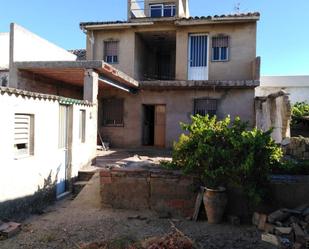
80 53
210 18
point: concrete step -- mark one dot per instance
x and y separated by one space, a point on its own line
77 187
84 176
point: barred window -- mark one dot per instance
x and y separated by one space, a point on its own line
112 112
111 51
23 135
220 48
205 106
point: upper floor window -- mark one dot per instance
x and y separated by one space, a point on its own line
111 51
220 48
162 10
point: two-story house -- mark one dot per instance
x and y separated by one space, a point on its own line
185 65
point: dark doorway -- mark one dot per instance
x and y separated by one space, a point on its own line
148 124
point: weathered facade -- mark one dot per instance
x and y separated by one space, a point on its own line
49 132
184 66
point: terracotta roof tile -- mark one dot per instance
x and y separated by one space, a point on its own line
228 16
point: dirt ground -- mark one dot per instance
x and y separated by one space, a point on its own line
70 224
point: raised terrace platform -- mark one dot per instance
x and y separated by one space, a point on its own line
168 193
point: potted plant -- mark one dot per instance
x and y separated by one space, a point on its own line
224 153
205 151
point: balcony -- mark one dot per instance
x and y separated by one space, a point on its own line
155 56
157 9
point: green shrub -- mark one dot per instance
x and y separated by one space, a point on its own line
300 109
292 167
224 152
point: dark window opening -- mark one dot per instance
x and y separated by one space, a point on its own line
205 106
21 146
112 112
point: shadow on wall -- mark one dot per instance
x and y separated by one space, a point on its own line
18 209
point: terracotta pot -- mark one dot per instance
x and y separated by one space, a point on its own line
215 201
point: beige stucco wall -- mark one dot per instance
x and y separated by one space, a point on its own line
242 51
126 40
22 177
179 107
242 48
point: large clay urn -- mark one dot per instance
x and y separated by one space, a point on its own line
215 201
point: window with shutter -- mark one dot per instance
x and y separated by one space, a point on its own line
111 51
205 106
220 48
23 135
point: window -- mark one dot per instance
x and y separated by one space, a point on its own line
23 135
169 10
111 51
205 106
220 48
112 112
82 126
162 10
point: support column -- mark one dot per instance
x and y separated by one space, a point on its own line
91 86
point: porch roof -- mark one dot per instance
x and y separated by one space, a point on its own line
199 84
72 72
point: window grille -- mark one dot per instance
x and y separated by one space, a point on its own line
205 106
113 112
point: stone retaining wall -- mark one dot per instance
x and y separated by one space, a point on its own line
297 147
166 192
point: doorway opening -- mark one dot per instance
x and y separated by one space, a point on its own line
148 124
154 118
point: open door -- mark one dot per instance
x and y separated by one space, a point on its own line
159 129
63 148
198 57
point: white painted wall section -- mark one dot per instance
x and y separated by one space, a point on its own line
27 46
296 86
24 176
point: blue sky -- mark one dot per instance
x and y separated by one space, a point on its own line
283 32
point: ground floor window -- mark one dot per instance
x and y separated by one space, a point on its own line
23 135
112 112
205 106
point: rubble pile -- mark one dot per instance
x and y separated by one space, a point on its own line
285 228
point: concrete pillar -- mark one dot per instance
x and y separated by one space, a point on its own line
91 86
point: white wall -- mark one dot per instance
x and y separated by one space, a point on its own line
4 50
22 177
296 86
27 46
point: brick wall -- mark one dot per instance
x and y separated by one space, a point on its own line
159 190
